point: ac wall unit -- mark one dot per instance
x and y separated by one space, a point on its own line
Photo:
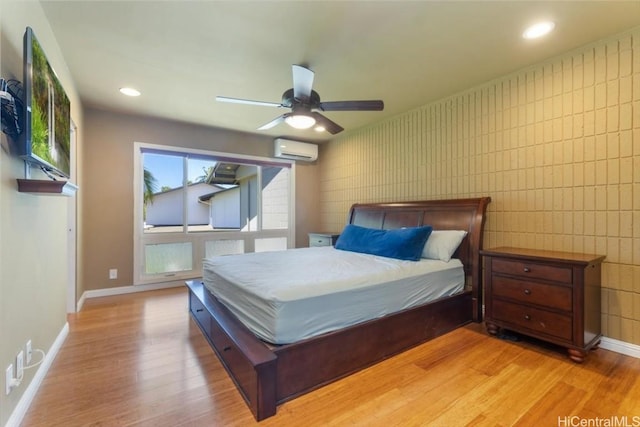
296 150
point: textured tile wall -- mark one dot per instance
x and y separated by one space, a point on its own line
556 146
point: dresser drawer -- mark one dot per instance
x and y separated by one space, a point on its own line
532 270
546 322
315 240
552 296
322 239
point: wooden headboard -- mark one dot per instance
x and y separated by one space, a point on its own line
453 214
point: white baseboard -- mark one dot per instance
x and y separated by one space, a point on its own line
96 293
622 347
80 302
30 393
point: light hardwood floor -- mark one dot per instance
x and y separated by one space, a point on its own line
140 360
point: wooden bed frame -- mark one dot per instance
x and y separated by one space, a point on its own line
268 375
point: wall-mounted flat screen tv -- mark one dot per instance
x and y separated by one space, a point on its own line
47 113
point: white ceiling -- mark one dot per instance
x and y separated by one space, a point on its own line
181 54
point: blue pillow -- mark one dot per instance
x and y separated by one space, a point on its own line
402 243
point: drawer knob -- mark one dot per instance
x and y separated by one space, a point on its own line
198 310
527 317
227 348
527 291
527 270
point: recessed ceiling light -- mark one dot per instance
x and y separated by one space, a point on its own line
319 129
129 91
538 30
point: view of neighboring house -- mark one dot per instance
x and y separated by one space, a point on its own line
224 208
166 209
226 200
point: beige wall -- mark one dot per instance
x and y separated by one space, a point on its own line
307 202
33 229
556 146
108 185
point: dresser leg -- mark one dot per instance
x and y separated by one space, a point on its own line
576 355
491 328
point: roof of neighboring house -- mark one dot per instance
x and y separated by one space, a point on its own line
189 185
208 196
223 173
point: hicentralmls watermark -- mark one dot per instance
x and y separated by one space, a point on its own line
614 421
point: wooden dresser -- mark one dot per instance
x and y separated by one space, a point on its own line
553 296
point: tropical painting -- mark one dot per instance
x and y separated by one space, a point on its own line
50 113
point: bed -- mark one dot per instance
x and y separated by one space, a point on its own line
269 374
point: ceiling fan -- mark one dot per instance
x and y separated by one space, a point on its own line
303 101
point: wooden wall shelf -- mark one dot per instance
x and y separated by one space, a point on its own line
47 187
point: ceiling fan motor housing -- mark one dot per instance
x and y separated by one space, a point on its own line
289 101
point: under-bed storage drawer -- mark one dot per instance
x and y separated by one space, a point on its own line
243 371
199 312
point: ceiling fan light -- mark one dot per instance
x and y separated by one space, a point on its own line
300 121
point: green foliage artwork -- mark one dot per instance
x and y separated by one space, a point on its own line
39 133
49 105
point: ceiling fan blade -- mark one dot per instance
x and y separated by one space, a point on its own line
330 126
247 101
373 105
302 82
275 122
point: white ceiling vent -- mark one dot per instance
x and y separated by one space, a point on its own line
288 149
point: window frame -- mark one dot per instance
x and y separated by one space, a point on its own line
199 238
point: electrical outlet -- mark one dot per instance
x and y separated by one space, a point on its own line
29 351
113 273
8 380
19 365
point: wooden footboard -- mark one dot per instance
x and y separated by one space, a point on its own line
312 363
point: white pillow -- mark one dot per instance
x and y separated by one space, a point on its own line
441 244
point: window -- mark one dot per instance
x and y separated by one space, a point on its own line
192 204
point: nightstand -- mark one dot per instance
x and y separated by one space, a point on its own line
322 239
552 296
